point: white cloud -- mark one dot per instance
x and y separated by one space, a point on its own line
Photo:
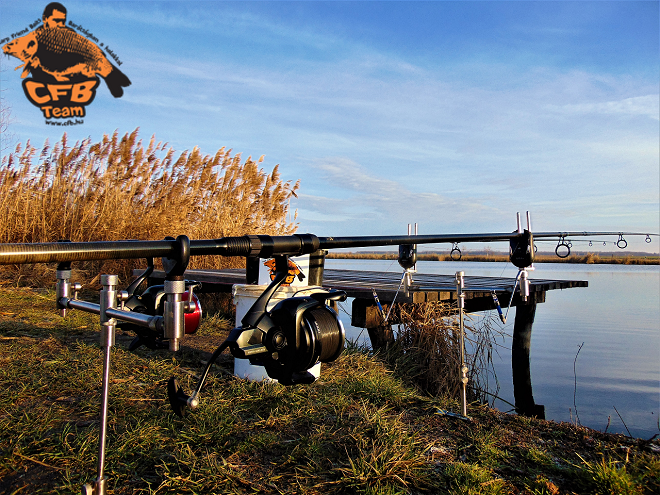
381 199
648 106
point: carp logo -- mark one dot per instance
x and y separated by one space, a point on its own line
64 66
294 271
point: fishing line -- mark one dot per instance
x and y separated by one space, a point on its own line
344 310
509 262
380 307
503 317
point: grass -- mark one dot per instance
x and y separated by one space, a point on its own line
472 479
606 476
359 429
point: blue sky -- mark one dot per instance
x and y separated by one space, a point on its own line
454 115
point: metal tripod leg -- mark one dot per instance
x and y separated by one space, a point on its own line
460 295
108 300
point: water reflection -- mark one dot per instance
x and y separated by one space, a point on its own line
617 319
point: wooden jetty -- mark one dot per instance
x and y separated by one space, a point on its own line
425 288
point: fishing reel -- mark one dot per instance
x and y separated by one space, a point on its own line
288 340
304 332
148 313
160 316
152 302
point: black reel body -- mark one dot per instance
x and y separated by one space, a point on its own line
305 332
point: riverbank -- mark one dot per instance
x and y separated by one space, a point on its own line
361 428
586 258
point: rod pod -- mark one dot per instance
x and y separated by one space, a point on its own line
460 297
108 300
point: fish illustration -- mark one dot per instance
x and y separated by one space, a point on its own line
64 54
294 271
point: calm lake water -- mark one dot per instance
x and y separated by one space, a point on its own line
617 318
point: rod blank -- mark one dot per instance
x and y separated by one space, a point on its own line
263 246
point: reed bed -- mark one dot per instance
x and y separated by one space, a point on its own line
121 188
427 350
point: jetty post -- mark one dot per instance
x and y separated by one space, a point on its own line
520 360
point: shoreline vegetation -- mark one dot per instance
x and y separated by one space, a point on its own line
579 257
369 425
362 428
122 187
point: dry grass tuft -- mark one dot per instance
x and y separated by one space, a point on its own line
427 349
120 188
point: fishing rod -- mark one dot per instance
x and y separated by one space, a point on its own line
288 340
262 246
162 315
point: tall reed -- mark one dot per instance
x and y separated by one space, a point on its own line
120 188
